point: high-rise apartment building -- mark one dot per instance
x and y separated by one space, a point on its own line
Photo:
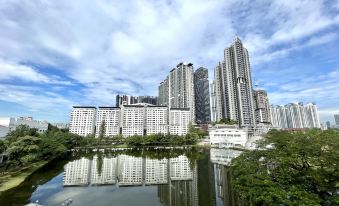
83 120
202 96
108 119
262 107
295 115
233 86
177 90
336 119
163 92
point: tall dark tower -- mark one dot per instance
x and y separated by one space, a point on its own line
202 98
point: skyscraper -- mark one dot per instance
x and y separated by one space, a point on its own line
262 108
336 119
177 90
233 86
202 98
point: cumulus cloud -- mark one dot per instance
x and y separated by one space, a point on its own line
110 47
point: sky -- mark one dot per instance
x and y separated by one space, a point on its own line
57 54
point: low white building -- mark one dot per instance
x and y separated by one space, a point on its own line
110 118
179 121
8 124
83 120
227 136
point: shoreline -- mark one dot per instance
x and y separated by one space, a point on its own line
14 179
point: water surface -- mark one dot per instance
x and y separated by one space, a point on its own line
131 177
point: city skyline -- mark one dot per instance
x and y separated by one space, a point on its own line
49 64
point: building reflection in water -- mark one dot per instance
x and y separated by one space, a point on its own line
222 174
176 180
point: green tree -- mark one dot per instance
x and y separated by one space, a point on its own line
102 130
291 168
2 146
25 149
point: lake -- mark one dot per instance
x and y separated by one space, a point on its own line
124 177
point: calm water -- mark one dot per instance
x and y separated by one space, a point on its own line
131 177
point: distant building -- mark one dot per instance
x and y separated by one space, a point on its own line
295 115
125 100
227 135
328 124
148 99
83 120
8 124
336 119
261 107
61 125
179 121
128 100
202 96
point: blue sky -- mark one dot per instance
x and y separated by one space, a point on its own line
56 54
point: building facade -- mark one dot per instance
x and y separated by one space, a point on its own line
129 100
156 120
132 120
295 115
233 90
108 119
83 120
262 107
125 100
177 90
179 121
227 136
202 96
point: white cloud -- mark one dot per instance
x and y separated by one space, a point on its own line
11 70
130 46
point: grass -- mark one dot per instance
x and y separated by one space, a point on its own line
14 179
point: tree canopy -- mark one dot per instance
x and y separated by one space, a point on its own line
290 168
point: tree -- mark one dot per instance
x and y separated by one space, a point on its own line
102 130
300 168
25 149
2 146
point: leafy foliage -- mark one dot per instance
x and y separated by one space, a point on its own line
24 145
290 168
